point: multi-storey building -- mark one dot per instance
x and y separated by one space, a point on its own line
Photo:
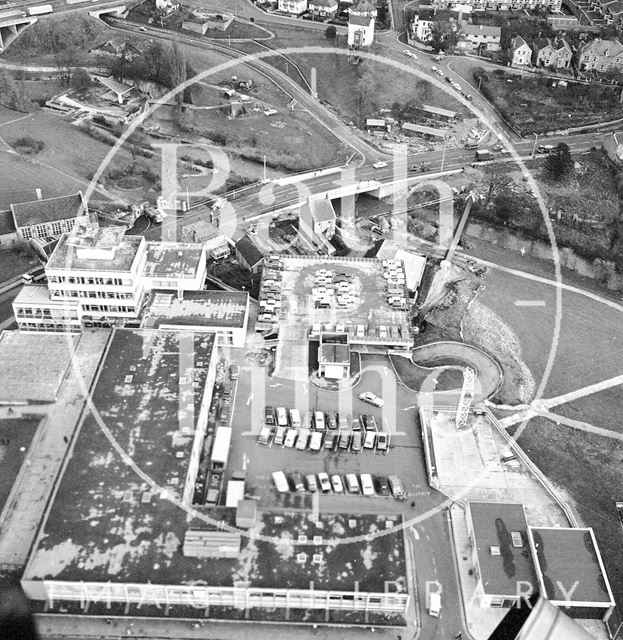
99 277
498 5
601 55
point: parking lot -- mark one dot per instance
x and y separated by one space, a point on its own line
254 390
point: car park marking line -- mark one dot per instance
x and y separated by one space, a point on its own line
529 303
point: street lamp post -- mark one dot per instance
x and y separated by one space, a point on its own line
536 137
443 155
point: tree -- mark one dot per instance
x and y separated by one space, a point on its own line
80 79
504 207
443 36
496 178
559 163
65 61
330 32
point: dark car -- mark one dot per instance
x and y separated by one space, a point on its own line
329 441
344 441
382 486
343 422
370 423
355 445
331 419
269 415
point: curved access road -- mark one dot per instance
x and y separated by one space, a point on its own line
451 354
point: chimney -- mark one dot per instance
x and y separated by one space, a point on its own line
38 192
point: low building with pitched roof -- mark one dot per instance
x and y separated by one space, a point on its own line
49 217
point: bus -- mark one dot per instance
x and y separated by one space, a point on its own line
220 449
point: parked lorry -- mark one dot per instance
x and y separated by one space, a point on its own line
40 10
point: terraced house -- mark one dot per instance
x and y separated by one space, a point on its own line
601 55
547 52
479 37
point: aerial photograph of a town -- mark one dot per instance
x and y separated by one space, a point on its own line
311 319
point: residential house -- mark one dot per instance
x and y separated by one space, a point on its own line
521 53
294 7
422 27
543 53
323 9
479 37
564 53
117 91
120 47
167 6
317 225
612 145
248 254
467 6
601 55
361 18
49 217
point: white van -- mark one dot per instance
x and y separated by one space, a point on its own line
264 437
282 417
352 483
434 604
295 418
366 484
281 482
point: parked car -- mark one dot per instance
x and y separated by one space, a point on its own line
331 419
312 485
234 372
269 416
315 443
325 483
382 442
380 164
355 444
264 437
367 488
308 420
329 441
295 418
290 438
302 439
395 487
280 436
336 484
282 417
370 423
370 398
342 422
382 486
297 482
319 420
279 478
370 440
344 440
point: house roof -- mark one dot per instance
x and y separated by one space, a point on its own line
334 353
50 210
114 86
538 44
7 224
375 122
569 566
502 565
603 48
560 43
363 6
197 308
419 128
438 111
518 42
173 259
249 251
480 30
326 4
359 21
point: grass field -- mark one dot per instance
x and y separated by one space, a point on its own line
589 469
65 165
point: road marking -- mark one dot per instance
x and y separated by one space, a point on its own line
413 406
276 384
529 303
249 399
416 535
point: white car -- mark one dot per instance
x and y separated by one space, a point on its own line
410 54
370 398
316 441
290 438
336 483
270 112
325 484
380 164
366 484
